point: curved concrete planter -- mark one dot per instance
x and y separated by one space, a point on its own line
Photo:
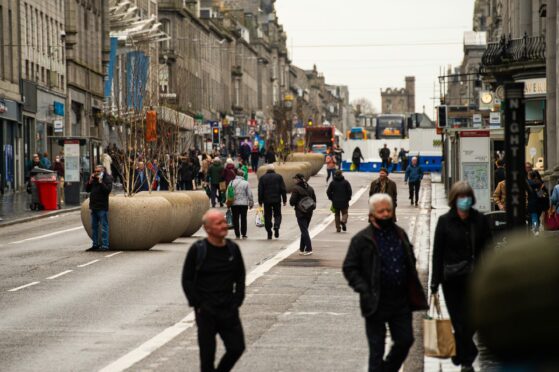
316 160
288 171
179 216
135 224
200 205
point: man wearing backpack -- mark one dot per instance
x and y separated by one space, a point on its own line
213 281
303 200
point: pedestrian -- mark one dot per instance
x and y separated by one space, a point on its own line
243 166
338 155
215 179
255 156
356 158
213 280
380 266
229 172
58 167
186 175
538 200
461 238
242 203
330 161
303 199
141 182
339 193
499 172
414 175
384 154
554 200
99 187
271 193
46 161
244 151
403 156
384 185
500 196
394 160
270 155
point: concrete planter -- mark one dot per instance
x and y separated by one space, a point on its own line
288 171
316 160
135 224
179 216
200 205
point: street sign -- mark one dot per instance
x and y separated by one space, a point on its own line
58 126
495 119
477 120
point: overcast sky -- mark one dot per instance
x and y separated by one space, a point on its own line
391 39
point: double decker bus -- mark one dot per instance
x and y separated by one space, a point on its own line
390 126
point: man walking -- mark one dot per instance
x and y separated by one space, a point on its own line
384 156
99 186
215 179
414 175
213 280
271 192
380 266
384 185
303 199
339 192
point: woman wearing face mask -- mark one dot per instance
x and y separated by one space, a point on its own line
461 237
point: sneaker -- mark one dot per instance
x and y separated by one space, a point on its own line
245 237
301 253
411 201
269 236
467 369
276 233
93 248
416 204
104 248
344 227
307 253
338 230
237 237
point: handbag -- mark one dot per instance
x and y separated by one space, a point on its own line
464 267
438 339
551 221
229 218
222 186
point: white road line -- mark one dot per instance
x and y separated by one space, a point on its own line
112 255
23 286
47 235
59 274
148 347
89 263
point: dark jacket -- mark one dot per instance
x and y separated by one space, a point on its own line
215 173
391 189
270 157
499 175
339 192
414 174
140 185
186 172
453 241
189 275
384 153
300 191
362 269
58 167
99 193
271 188
356 156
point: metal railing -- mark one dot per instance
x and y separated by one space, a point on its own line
507 50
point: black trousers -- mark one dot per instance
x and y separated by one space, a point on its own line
414 190
384 163
240 215
269 210
401 330
456 295
254 160
215 195
305 245
228 326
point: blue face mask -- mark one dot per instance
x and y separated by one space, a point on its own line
464 204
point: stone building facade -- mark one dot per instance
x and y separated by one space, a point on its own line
399 100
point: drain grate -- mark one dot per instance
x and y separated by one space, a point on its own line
300 262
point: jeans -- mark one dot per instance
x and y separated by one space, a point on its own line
401 330
269 209
240 213
535 221
305 245
414 190
103 218
384 164
330 173
340 217
228 326
215 195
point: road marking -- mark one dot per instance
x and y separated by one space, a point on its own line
112 255
89 263
187 322
47 235
59 274
23 286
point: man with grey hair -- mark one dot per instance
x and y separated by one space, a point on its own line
213 280
380 266
99 185
414 175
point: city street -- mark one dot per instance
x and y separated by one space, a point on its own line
66 309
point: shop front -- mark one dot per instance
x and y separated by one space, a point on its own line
11 165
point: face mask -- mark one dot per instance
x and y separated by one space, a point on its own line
383 224
464 204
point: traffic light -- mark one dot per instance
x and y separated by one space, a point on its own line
215 136
310 122
442 115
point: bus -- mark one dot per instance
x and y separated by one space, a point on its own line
390 126
357 133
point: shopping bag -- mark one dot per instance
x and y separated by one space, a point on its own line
229 218
352 167
551 221
438 339
222 186
259 219
230 195
332 209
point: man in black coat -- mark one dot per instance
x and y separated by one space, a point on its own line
380 266
384 154
339 192
213 281
271 193
99 185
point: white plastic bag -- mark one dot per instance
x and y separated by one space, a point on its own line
259 219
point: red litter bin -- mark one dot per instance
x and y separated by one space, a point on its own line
47 188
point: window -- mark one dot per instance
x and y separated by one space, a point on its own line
27 69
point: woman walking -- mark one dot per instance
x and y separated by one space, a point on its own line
242 203
538 200
356 158
300 199
461 237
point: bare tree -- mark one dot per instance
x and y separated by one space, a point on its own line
363 106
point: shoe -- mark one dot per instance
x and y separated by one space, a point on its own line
301 253
307 253
338 230
467 369
245 237
221 205
416 204
344 227
237 237
269 236
103 248
93 248
276 233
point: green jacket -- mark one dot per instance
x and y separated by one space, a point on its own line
215 174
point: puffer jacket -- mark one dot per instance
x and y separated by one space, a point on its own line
339 192
243 193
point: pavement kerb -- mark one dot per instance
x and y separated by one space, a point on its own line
39 216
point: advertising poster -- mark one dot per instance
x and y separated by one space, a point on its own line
72 162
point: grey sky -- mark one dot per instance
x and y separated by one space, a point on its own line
396 38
